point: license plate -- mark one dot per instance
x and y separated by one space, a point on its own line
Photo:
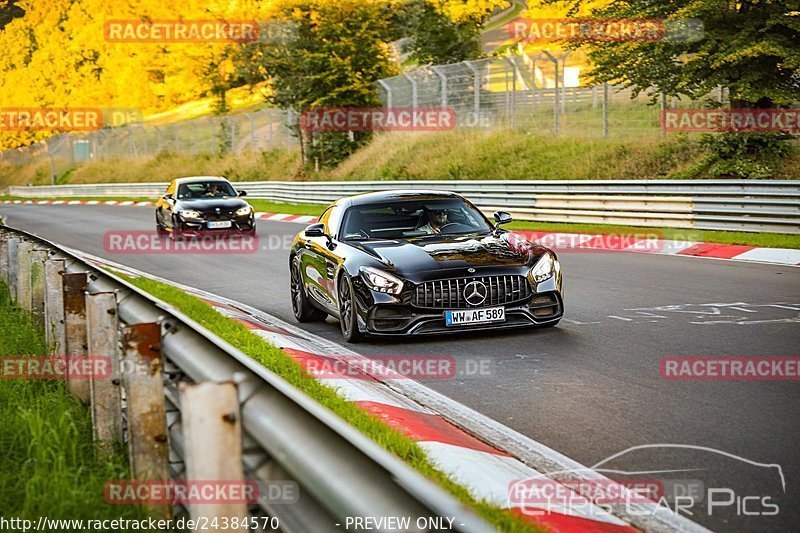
475 316
219 224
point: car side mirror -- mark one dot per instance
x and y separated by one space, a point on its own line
168 196
502 217
242 193
315 230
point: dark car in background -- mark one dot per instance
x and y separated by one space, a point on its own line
203 205
420 262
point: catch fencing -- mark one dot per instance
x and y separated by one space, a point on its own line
735 205
542 92
192 408
259 131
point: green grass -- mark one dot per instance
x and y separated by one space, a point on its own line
277 361
49 465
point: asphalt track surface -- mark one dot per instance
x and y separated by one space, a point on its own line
589 388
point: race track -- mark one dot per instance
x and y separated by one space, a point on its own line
590 387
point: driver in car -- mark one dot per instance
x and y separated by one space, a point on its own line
213 192
436 219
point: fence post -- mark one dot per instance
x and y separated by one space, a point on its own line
476 87
605 109
252 131
443 88
38 258
54 305
24 275
75 327
213 136
146 414
213 441
13 250
413 81
102 341
556 119
388 92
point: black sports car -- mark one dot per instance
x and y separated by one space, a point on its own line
417 262
203 205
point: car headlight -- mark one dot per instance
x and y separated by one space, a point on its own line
188 213
381 281
243 211
544 268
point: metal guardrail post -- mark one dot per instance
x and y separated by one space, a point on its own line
212 433
75 328
102 341
54 305
12 243
38 258
142 377
24 275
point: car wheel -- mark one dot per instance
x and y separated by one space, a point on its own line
160 229
347 311
302 308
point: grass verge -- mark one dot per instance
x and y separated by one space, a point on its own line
49 465
277 361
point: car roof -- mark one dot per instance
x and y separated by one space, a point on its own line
390 195
194 179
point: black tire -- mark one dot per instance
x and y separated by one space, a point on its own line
160 229
301 307
348 317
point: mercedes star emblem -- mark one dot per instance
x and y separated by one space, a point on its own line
475 293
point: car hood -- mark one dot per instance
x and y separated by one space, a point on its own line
210 204
417 255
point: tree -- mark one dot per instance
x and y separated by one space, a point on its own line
321 54
749 47
447 31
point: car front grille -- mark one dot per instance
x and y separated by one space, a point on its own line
449 293
222 215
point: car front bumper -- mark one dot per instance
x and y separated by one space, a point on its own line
382 314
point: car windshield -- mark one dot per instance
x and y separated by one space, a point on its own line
411 219
197 190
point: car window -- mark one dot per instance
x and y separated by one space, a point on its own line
413 218
205 189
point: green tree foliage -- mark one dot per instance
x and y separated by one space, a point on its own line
323 54
446 31
750 47
435 38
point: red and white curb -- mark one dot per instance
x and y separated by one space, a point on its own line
561 241
453 436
